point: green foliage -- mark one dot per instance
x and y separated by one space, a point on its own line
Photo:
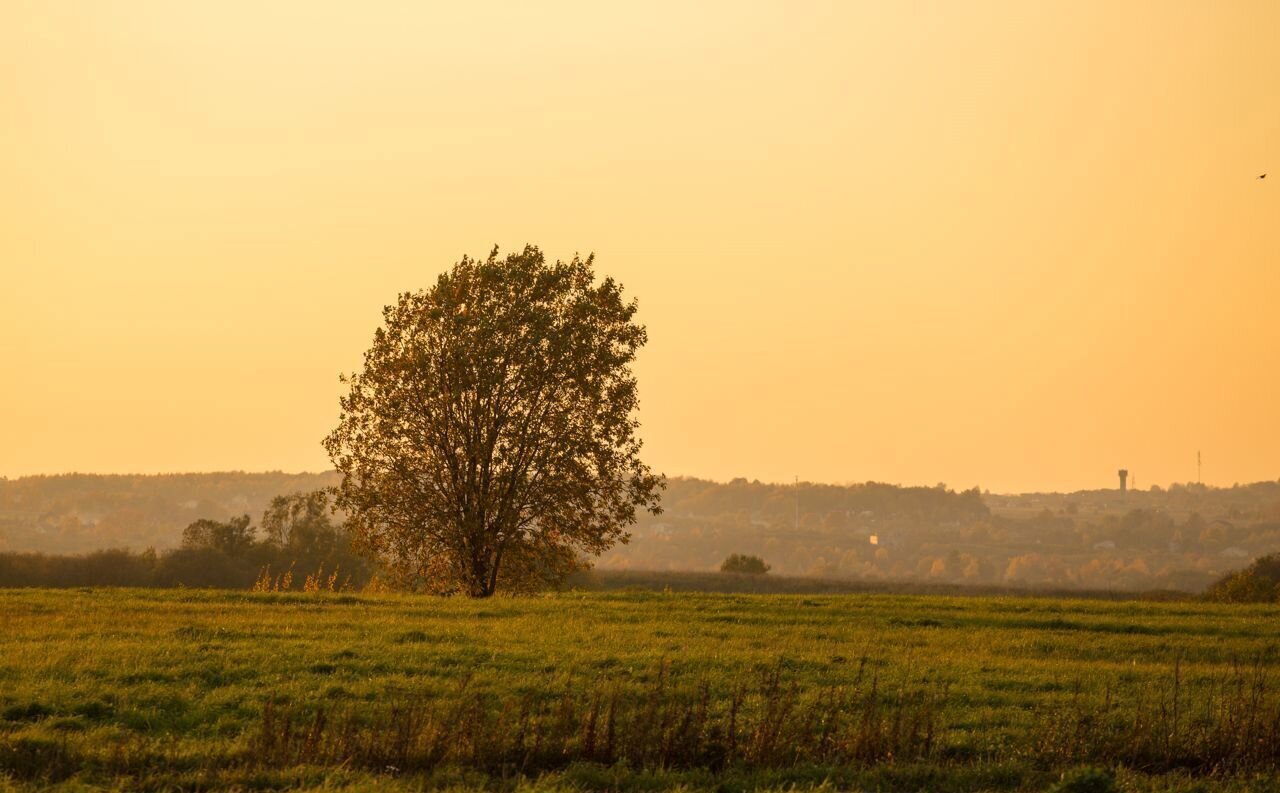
741 563
490 440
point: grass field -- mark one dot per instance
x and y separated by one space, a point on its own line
183 689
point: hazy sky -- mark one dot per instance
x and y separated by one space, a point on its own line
1018 245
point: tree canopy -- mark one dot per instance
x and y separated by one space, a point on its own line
490 441
233 537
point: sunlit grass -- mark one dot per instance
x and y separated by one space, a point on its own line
170 687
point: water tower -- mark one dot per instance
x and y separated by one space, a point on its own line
1124 476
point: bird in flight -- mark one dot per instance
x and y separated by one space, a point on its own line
1264 176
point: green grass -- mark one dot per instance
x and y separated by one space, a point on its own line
143 689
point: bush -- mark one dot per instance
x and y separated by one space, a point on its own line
1257 583
741 563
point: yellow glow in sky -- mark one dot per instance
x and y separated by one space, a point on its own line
1011 244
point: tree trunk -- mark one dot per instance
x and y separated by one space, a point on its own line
480 584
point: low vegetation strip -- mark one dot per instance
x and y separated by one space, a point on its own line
769 723
205 690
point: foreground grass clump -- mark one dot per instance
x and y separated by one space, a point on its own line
205 690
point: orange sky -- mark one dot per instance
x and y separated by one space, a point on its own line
1010 244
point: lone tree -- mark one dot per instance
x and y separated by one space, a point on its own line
490 440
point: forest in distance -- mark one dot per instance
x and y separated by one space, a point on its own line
1178 538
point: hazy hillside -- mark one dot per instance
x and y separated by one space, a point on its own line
1179 538
75 513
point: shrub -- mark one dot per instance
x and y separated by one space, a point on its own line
741 563
1257 583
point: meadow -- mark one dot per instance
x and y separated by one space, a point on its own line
195 689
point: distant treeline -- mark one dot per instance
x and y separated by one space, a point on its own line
1183 537
79 513
1180 538
298 538
780 503
209 568
183 567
